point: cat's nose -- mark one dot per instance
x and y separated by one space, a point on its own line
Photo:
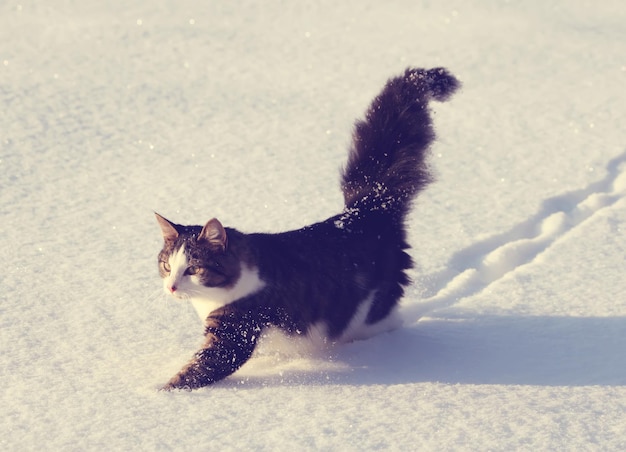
173 288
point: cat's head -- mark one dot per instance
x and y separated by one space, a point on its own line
195 261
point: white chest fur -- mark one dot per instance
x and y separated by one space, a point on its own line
212 298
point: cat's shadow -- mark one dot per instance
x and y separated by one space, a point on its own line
506 350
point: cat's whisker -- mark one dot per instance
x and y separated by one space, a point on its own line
154 304
153 298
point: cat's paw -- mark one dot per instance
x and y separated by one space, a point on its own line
176 383
169 388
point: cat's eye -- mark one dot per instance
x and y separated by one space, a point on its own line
166 266
193 270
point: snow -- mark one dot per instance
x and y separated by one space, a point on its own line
515 329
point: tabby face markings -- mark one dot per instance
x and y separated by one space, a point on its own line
182 283
174 282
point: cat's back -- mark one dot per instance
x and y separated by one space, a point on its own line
336 248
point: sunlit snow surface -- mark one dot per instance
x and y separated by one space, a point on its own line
515 328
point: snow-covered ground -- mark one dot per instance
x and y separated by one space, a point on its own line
515 329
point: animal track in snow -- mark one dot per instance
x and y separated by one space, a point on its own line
472 269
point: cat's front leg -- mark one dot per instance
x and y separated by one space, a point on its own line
231 337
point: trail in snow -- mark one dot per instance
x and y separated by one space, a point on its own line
474 268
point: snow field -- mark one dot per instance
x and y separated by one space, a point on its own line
515 328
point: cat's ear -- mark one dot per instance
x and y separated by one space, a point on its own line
170 233
215 234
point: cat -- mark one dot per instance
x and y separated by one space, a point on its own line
343 276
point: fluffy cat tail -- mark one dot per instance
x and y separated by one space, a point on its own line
386 165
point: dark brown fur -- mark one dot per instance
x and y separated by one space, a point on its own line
322 272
